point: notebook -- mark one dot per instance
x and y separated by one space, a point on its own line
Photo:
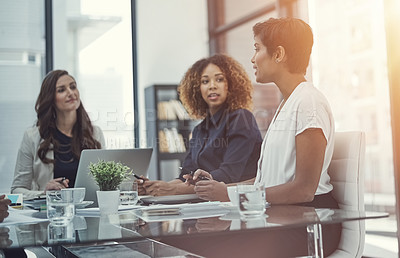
137 159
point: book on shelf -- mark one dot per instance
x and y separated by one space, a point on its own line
171 141
171 110
163 144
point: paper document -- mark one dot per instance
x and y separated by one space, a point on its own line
183 211
95 212
17 216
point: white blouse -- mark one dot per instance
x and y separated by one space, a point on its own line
305 108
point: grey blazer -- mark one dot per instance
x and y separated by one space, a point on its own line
31 174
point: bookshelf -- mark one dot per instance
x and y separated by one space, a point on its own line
168 130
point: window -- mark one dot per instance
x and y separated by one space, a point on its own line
93 41
22 47
348 64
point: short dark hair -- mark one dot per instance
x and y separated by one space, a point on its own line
293 34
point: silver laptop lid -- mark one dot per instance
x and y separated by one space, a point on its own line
137 159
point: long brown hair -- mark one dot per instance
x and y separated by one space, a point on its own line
46 121
239 85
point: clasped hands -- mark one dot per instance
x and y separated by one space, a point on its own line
209 190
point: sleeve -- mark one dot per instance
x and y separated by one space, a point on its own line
313 113
243 137
23 174
99 136
188 164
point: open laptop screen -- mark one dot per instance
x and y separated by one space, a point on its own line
137 159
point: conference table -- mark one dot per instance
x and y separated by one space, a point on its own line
185 230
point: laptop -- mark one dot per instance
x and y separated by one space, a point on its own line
137 159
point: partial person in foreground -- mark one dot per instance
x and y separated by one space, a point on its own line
298 146
226 144
49 154
4 203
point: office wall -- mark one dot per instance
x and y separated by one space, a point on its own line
171 36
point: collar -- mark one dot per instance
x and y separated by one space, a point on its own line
213 120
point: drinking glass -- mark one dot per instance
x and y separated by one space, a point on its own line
78 194
251 200
128 193
60 207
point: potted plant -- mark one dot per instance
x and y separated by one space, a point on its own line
108 176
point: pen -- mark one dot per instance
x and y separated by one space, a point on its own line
191 172
137 177
140 178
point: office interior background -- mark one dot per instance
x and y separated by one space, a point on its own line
115 49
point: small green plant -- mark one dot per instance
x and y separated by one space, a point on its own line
109 174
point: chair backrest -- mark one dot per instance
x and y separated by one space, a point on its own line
347 170
347 177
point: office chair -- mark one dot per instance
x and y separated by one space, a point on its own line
347 177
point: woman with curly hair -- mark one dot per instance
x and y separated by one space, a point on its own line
227 142
49 153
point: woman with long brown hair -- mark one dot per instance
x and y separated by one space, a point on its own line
49 154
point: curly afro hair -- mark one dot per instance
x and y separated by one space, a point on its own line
240 87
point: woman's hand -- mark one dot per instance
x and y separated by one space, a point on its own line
57 184
4 203
140 182
212 190
198 175
159 188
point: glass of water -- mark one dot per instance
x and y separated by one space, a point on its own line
128 193
251 200
60 207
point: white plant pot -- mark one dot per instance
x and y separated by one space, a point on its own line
108 201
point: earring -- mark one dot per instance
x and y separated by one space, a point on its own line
276 61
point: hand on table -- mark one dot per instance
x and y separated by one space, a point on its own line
57 184
140 182
198 175
212 190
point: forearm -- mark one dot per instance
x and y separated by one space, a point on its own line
248 181
182 188
160 188
290 193
28 194
175 181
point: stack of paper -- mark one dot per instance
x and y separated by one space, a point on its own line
181 211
